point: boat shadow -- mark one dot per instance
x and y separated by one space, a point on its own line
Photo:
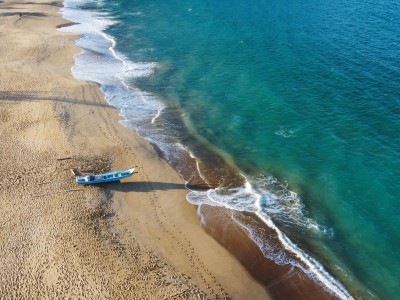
145 186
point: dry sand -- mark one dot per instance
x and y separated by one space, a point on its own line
138 239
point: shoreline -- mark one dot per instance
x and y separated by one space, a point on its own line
281 281
292 279
146 216
139 238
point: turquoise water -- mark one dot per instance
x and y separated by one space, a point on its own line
303 97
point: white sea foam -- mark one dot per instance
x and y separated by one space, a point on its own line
285 132
251 200
267 197
157 115
99 53
309 265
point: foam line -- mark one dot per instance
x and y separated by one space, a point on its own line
308 264
157 115
314 268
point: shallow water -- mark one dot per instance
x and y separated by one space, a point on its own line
288 110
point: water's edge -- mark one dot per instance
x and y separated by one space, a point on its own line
121 95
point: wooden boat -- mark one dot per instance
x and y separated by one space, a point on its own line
106 177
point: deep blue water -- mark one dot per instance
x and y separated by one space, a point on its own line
302 96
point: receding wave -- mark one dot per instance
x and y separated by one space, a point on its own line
145 113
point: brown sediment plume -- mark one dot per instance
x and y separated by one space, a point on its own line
138 239
205 165
212 169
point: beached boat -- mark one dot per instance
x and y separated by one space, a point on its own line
106 177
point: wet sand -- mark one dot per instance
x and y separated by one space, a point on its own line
138 239
282 281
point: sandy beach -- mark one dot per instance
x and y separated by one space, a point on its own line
138 239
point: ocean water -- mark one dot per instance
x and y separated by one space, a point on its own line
287 110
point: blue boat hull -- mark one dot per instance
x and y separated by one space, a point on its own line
107 177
